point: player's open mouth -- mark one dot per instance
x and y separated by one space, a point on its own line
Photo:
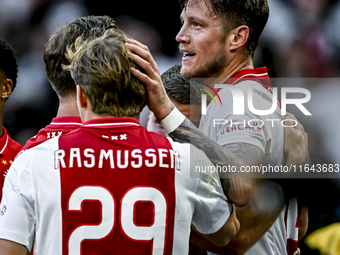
188 55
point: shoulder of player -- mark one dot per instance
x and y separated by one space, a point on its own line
25 159
14 145
43 147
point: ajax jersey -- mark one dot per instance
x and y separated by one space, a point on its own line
264 131
110 187
58 126
8 150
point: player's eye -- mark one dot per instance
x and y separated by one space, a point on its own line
195 24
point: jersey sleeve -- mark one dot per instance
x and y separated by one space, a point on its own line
225 127
212 208
209 206
16 208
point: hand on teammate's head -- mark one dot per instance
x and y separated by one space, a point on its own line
158 100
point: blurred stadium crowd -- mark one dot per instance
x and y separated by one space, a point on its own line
301 43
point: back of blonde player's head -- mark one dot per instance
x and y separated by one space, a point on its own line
102 68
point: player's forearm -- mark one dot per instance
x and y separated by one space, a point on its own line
182 130
257 216
247 236
236 154
188 133
227 232
255 219
12 248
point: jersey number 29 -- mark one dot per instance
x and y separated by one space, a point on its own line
156 231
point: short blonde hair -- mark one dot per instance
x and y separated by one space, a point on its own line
102 68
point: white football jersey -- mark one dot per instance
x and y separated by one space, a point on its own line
110 187
264 131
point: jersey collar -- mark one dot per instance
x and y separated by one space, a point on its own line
259 75
67 120
4 142
113 122
256 73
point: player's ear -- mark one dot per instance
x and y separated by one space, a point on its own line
81 97
7 87
239 37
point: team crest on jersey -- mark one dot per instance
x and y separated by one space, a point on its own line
116 137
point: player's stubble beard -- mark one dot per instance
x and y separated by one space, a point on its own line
211 68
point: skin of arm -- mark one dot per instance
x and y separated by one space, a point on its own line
303 223
226 233
12 248
258 212
296 142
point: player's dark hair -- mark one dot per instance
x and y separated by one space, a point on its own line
234 13
55 48
179 89
8 62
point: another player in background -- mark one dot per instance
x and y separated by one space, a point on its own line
110 186
185 95
67 118
8 80
218 39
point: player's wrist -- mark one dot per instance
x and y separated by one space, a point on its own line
173 120
161 110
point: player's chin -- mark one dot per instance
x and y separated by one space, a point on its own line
187 72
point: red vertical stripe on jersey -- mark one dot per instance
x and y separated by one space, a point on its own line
292 245
110 180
